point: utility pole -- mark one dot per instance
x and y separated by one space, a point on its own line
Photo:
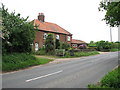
110 34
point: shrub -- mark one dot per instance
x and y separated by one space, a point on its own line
103 45
41 51
92 44
57 44
64 45
50 44
83 46
60 52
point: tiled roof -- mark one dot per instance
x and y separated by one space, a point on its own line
51 27
77 41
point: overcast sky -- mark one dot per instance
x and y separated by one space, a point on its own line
80 17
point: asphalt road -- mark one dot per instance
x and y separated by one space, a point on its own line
72 74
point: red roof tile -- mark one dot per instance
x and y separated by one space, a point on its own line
77 41
51 27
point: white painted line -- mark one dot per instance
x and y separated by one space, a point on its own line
44 76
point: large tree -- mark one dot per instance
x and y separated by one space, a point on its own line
17 32
112 16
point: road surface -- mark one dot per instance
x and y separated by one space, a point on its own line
72 74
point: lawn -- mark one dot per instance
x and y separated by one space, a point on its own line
16 61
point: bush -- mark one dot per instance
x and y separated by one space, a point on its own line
57 44
103 45
50 44
92 44
15 61
60 52
83 46
41 51
64 45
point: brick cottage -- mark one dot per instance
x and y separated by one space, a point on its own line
44 28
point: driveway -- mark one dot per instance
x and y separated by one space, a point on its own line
77 73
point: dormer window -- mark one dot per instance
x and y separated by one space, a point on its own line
57 37
68 38
44 35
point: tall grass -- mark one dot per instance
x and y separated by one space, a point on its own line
110 80
16 61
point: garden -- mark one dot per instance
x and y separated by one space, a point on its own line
58 49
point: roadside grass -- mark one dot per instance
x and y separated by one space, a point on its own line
80 54
16 61
110 80
114 50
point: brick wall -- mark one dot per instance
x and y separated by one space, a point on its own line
39 38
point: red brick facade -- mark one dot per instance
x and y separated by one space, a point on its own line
39 38
46 27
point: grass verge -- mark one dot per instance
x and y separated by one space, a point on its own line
114 50
110 80
16 61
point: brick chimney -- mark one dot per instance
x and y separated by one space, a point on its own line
41 17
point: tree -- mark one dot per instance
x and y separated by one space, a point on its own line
112 16
17 32
50 44
103 45
92 44
57 43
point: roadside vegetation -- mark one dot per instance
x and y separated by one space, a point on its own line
105 46
16 61
110 80
80 54
17 38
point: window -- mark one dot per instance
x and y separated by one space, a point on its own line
74 45
68 38
44 35
36 46
57 37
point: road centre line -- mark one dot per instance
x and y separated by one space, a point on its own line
44 76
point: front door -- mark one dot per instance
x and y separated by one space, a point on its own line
36 46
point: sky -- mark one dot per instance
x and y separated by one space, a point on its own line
79 17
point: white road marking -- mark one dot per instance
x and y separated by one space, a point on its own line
44 76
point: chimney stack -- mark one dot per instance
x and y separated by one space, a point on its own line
41 17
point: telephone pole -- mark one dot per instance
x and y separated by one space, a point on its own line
110 34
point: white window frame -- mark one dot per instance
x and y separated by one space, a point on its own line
44 35
58 37
68 38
